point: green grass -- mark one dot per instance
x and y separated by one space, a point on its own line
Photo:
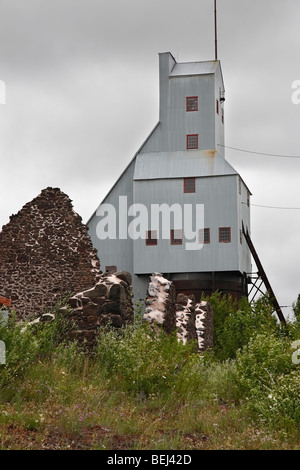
138 390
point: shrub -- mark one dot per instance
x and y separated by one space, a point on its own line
270 380
141 359
240 326
222 306
21 350
236 321
25 343
263 360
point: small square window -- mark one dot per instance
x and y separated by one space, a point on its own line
151 237
176 237
224 234
189 185
204 235
192 103
192 141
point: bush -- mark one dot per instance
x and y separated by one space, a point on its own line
263 360
222 306
269 379
141 359
236 321
25 343
21 350
240 326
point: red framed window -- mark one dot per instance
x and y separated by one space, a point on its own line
192 141
176 237
192 103
151 237
204 235
225 234
189 185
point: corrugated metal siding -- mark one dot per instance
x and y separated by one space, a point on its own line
115 252
177 123
219 196
219 125
244 218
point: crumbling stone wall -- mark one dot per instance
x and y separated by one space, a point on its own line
204 325
192 321
185 318
109 301
45 253
160 303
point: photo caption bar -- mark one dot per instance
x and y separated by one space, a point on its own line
149 458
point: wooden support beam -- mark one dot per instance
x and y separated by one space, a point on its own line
262 274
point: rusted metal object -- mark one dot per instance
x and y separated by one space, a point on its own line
4 301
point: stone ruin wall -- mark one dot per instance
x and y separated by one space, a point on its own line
191 320
45 253
160 303
108 302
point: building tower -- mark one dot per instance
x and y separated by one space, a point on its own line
180 169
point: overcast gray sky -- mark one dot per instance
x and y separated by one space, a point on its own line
82 95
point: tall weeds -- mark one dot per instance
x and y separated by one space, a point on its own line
139 379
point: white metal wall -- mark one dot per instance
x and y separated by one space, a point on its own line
221 206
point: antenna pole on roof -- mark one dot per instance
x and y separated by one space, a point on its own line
216 33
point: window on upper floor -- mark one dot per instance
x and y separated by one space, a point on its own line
176 237
151 237
192 103
189 185
204 235
192 141
225 234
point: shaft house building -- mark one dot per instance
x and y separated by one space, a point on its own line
180 171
